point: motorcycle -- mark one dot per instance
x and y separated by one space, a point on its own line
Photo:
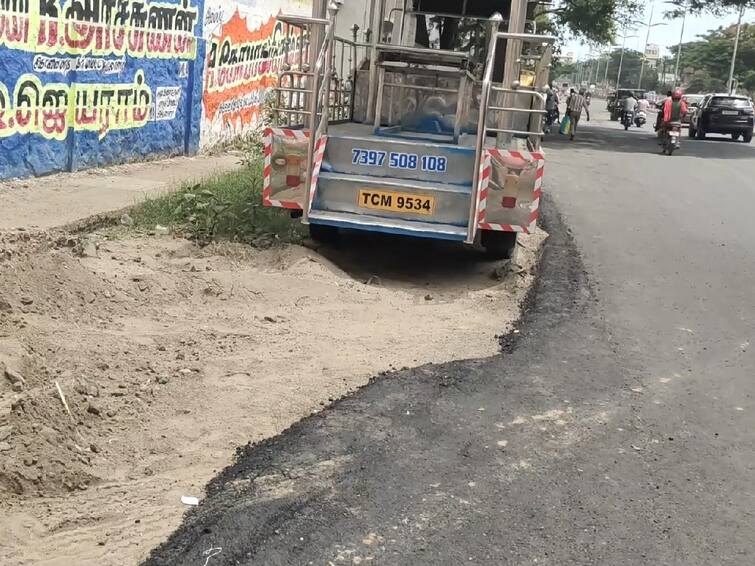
551 118
640 119
672 138
627 119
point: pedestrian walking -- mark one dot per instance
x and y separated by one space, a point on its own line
574 106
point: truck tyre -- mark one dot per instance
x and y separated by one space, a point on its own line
747 138
323 233
498 245
700 133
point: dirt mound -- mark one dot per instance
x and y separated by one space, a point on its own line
168 356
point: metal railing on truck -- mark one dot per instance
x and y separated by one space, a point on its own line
301 98
291 94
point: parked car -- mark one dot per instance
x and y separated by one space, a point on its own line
693 101
723 114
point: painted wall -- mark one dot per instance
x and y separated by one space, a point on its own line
90 82
245 46
85 83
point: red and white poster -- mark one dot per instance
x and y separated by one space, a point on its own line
245 48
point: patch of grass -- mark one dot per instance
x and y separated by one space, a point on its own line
226 206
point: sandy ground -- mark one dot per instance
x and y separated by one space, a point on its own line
170 356
56 200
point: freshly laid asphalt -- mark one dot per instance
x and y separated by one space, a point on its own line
616 428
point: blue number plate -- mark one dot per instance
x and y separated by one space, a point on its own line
399 160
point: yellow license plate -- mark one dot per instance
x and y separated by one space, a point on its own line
396 202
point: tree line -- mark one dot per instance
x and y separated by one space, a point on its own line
704 62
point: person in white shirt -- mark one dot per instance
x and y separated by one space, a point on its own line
630 102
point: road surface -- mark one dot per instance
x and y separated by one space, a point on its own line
617 428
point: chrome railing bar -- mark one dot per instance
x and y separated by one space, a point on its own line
494 23
290 89
379 100
377 20
539 95
325 26
519 132
461 100
292 111
523 110
420 87
422 51
526 37
300 21
325 90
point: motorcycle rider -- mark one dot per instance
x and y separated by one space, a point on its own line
643 105
641 112
629 104
659 117
672 110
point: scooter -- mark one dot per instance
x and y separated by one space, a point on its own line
672 138
627 119
640 119
551 118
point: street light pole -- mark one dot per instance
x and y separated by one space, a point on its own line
679 49
597 70
605 76
621 59
736 47
644 50
621 62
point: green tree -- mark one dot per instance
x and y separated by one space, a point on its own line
630 70
595 21
705 63
560 69
592 20
714 7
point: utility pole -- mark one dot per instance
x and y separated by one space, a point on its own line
736 47
663 71
597 70
644 49
621 59
677 77
621 62
647 39
605 76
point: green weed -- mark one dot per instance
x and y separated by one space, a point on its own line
227 206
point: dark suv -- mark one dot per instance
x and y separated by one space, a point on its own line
723 114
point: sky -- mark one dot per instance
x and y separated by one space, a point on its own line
668 34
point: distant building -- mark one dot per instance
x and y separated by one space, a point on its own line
667 78
652 53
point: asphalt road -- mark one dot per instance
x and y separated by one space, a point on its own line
617 428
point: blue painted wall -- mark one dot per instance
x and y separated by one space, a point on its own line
172 78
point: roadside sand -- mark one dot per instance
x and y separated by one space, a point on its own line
170 356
